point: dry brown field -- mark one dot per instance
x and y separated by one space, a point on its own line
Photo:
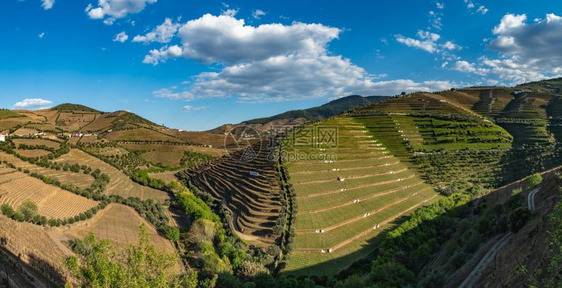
53 202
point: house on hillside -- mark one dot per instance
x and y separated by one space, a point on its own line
2 138
522 91
254 173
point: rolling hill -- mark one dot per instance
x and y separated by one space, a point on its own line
297 117
425 189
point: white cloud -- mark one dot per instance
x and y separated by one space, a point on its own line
528 51
272 62
163 33
482 10
428 42
258 13
510 22
440 5
47 4
426 45
464 66
41 35
213 39
174 95
121 37
230 12
471 5
192 108
33 103
160 55
449 45
115 9
435 20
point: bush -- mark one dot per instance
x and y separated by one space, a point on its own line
7 210
534 180
518 218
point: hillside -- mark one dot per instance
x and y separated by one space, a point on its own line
297 117
327 110
424 189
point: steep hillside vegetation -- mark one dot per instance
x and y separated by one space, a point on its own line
248 189
346 194
297 117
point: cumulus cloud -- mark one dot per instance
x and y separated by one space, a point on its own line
472 5
121 37
212 39
464 66
161 55
32 103
192 108
428 42
258 13
171 93
271 62
115 9
230 12
509 23
449 45
162 33
532 49
48 4
426 45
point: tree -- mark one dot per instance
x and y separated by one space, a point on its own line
28 209
534 180
517 219
173 234
7 210
141 265
202 230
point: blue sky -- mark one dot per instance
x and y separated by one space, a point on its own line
199 64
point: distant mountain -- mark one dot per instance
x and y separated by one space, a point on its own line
329 109
545 86
295 117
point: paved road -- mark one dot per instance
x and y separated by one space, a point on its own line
531 199
476 273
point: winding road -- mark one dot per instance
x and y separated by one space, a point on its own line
476 273
531 199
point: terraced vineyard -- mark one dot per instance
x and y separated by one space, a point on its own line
346 201
169 154
118 223
53 202
248 189
119 184
66 177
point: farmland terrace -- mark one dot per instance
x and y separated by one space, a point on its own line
252 198
345 202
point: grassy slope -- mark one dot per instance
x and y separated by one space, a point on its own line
384 186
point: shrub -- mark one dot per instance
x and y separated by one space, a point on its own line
7 210
517 219
534 180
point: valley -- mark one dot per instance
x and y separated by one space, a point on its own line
447 178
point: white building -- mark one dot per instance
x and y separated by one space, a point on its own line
2 138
